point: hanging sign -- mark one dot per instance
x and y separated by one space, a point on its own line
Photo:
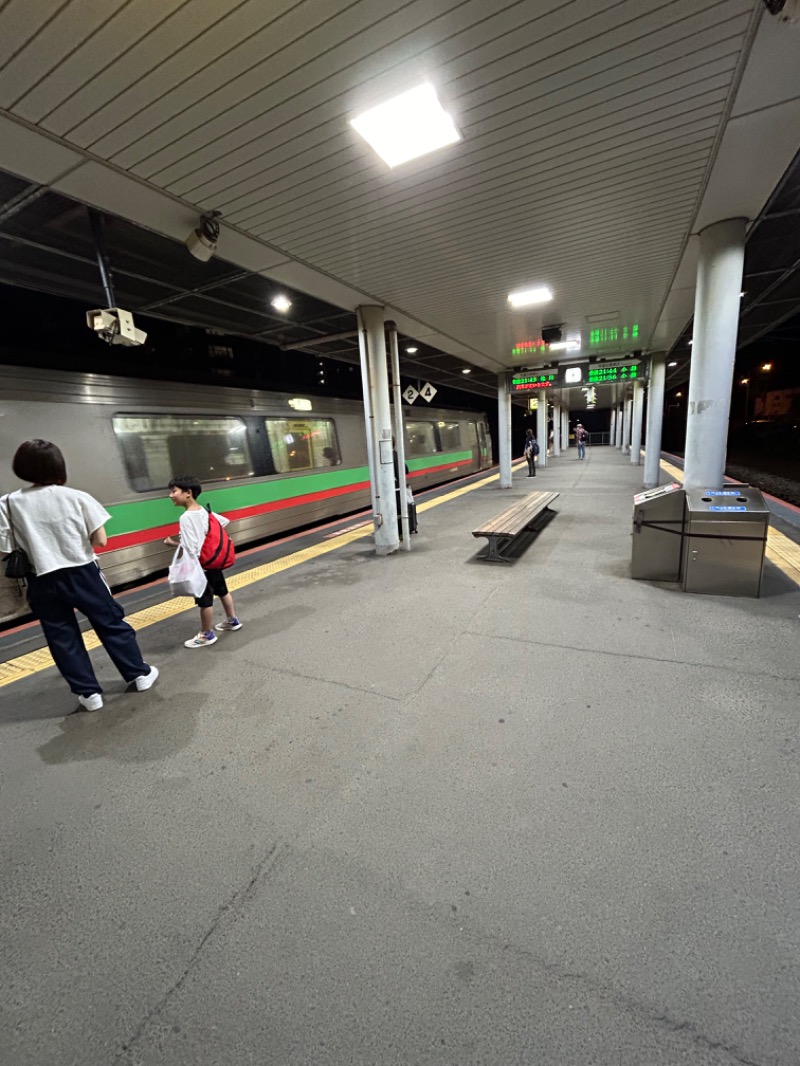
608 374
524 381
410 394
427 392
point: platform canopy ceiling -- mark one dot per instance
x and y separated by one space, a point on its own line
598 136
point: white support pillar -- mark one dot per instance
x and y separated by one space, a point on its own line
716 321
504 430
541 430
565 428
612 432
655 418
636 422
399 434
372 344
556 428
626 426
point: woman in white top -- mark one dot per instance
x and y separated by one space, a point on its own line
59 528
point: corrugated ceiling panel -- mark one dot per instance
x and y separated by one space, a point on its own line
103 51
20 22
54 38
314 153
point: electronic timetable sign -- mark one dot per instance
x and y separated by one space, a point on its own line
609 373
607 336
529 382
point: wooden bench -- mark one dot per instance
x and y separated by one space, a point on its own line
503 530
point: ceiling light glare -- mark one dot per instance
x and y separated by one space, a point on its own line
466 370
672 364
527 297
408 126
281 303
411 351
565 346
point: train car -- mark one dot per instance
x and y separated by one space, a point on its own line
269 461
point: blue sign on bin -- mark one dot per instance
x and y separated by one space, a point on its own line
727 508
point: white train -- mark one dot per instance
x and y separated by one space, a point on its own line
270 461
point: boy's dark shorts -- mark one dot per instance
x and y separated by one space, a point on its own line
216 586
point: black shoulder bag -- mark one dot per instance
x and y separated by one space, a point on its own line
18 565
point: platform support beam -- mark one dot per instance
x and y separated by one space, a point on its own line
399 434
626 426
556 428
377 411
504 430
716 322
620 420
636 423
612 430
565 427
655 419
541 431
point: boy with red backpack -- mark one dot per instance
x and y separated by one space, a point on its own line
203 537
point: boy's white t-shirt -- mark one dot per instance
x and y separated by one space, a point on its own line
194 527
53 524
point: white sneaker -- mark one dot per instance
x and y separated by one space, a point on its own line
91 703
202 640
147 681
230 625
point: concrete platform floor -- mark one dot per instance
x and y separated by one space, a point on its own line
420 810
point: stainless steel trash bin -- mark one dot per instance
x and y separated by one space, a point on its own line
725 536
657 526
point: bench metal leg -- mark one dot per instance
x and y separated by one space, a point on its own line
492 555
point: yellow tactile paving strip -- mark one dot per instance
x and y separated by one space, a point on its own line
33 662
781 551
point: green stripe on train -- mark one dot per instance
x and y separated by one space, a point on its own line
145 514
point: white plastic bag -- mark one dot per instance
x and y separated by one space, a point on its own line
409 495
186 577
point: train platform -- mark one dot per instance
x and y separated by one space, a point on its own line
421 809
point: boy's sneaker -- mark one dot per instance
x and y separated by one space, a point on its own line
202 640
91 703
147 680
230 625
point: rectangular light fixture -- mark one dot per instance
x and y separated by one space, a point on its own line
526 297
407 126
565 346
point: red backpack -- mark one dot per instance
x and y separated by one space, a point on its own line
217 552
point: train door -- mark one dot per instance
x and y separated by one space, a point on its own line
484 446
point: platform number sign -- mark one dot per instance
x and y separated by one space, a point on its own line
427 392
410 394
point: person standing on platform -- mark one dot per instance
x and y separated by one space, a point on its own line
580 438
58 528
183 491
531 451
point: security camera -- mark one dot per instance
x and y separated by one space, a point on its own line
115 326
202 242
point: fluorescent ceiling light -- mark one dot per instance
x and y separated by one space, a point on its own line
672 364
281 303
530 296
408 126
466 370
412 350
565 346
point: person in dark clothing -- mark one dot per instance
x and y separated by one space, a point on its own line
412 507
531 451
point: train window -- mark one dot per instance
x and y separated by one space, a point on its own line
155 447
303 443
449 436
472 434
420 438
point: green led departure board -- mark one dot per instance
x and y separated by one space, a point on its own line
530 382
599 375
529 348
598 338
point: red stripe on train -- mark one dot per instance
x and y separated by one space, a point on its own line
147 536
